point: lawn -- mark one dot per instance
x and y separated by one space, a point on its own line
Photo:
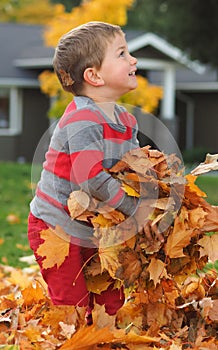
15 196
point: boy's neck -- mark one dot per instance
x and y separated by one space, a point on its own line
106 104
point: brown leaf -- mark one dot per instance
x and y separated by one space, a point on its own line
77 203
131 266
157 270
209 247
98 283
211 220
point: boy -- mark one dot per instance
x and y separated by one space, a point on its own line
92 62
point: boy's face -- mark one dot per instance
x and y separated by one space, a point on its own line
118 68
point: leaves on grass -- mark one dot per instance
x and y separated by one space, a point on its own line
171 299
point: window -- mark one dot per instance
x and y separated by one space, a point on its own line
4 108
10 111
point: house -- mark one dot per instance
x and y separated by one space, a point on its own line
188 112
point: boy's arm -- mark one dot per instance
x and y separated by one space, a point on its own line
86 146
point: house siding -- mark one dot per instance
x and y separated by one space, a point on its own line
205 120
34 123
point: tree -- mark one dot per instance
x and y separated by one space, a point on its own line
145 96
27 11
190 25
68 4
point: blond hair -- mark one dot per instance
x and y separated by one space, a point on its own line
80 48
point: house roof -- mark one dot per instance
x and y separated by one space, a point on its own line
21 42
24 54
170 51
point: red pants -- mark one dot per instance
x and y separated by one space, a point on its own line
66 284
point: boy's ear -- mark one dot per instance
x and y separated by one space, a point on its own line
92 77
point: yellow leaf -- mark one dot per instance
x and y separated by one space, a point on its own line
54 249
130 191
18 277
109 259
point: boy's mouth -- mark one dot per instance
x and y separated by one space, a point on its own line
132 73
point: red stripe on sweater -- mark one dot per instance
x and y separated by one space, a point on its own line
86 165
49 199
78 116
113 202
58 163
115 135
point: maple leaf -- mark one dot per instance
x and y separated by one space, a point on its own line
32 295
56 252
84 339
98 283
109 259
77 203
130 268
209 247
193 187
180 237
157 270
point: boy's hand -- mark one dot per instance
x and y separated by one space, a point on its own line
151 232
144 210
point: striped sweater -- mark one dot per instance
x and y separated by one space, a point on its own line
84 143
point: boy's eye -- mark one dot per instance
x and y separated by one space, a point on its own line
122 53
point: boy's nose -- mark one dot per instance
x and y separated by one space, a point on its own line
133 60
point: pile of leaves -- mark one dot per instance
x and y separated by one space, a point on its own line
171 287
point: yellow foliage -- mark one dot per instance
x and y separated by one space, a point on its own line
145 95
27 11
91 10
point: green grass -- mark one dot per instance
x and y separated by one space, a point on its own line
209 184
15 196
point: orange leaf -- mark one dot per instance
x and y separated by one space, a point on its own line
194 188
32 295
54 249
87 337
180 237
157 270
